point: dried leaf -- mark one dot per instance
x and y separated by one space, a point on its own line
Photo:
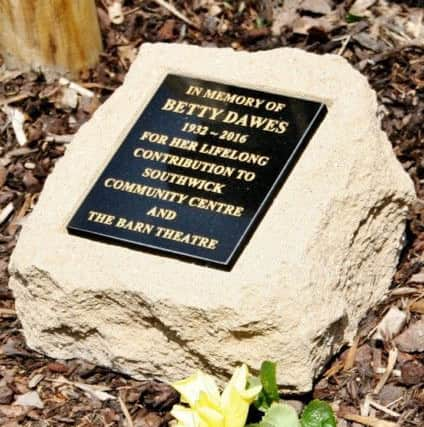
69 98
31 398
166 32
7 75
412 339
215 10
390 393
321 7
115 12
391 324
360 6
57 367
417 278
127 53
35 380
17 119
6 395
412 372
369 42
93 390
417 306
14 411
284 17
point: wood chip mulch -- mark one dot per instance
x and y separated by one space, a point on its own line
379 381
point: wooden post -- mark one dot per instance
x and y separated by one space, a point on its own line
52 35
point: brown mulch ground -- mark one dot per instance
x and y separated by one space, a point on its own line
386 44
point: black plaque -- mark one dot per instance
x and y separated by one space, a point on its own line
198 170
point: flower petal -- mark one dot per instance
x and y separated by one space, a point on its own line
239 378
251 394
211 388
235 408
211 417
237 381
209 411
186 417
206 400
191 387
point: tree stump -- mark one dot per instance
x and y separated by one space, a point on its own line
51 35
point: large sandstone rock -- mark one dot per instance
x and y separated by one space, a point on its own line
324 253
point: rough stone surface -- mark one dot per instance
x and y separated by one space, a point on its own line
323 255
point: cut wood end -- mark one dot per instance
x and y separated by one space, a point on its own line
65 42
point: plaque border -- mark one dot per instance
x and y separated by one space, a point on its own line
260 212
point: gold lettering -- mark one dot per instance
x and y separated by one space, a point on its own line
266 124
154 137
183 180
183 144
194 90
215 206
233 154
190 109
186 238
137 226
184 162
145 190
233 98
101 218
167 214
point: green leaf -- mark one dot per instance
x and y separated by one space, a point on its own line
261 402
350 18
260 23
318 414
279 415
269 393
268 377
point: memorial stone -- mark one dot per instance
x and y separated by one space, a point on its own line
221 207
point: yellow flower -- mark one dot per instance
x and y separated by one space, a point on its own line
207 408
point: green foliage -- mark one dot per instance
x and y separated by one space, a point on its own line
279 415
260 23
268 376
350 18
318 414
268 379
